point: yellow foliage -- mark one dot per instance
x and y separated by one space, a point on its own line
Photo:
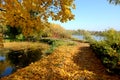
55 30
31 14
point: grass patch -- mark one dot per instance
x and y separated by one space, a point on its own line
25 45
54 43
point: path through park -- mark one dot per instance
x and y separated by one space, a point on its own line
66 63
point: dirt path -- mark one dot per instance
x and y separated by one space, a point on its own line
66 63
86 60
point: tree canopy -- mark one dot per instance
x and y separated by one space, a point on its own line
33 15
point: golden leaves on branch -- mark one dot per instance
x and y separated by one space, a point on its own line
31 14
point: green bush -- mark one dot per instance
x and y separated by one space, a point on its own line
108 50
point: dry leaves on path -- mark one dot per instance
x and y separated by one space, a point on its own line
76 62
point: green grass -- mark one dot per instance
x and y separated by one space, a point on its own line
54 43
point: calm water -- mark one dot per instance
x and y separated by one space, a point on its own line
5 66
80 37
2 58
10 61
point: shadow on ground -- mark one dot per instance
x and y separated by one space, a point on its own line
86 60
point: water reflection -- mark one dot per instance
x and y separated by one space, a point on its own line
5 66
2 58
8 70
11 60
22 58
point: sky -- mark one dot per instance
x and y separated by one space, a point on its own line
94 15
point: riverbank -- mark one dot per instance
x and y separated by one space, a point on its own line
67 62
16 55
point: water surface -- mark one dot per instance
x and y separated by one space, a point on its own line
11 60
81 37
5 66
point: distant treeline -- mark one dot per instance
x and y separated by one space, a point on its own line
82 32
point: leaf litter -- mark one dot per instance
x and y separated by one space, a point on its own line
76 62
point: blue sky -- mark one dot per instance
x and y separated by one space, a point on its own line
94 15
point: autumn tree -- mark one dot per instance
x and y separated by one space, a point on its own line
32 15
56 31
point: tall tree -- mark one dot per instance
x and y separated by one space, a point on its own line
32 15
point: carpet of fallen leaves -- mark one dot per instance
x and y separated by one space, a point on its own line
76 62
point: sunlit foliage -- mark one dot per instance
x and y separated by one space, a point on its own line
111 36
56 31
32 15
108 50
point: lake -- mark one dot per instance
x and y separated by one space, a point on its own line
81 37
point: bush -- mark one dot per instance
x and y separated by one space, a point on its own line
108 50
108 54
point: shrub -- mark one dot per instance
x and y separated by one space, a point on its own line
108 50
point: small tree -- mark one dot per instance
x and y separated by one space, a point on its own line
88 37
111 36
